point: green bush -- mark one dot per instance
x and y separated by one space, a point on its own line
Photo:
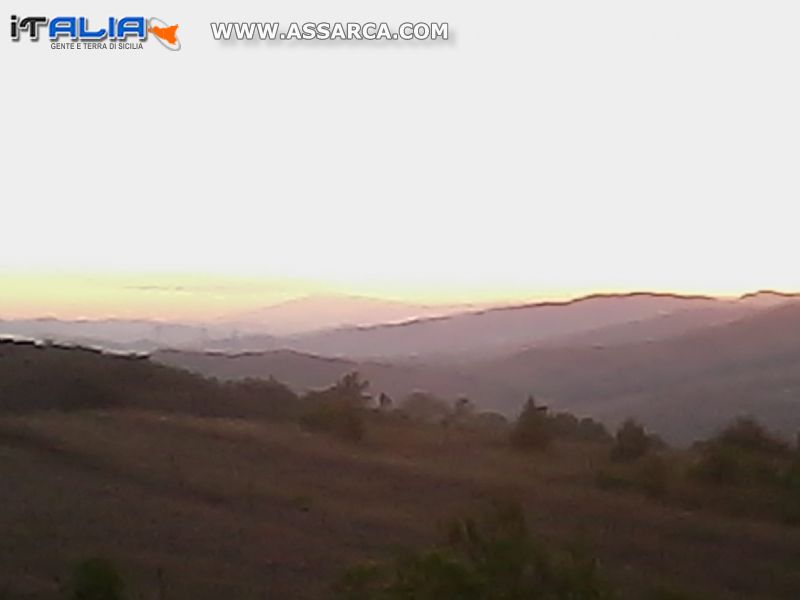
493 558
95 579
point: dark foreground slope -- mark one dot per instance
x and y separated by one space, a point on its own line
193 506
35 377
202 508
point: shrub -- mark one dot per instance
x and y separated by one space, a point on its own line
344 422
272 398
567 425
745 453
719 464
494 557
533 429
591 430
791 477
95 579
653 476
749 434
631 442
425 407
338 409
490 422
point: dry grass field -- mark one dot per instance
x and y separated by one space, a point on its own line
205 508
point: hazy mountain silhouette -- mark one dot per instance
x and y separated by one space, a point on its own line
123 334
684 386
486 332
312 313
305 371
656 328
599 319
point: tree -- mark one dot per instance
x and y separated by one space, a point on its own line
339 409
351 389
533 430
631 442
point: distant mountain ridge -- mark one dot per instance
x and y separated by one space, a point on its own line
503 329
682 365
597 318
305 372
684 387
312 313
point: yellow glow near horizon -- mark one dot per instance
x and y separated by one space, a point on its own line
204 297
564 149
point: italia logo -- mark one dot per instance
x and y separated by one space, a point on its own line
78 29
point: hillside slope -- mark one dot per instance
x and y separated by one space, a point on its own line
683 387
488 332
303 372
42 377
202 509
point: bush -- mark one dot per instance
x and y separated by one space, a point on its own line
719 464
748 434
274 400
791 477
533 429
425 408
567 425
745 453
490 422
591 430
95 579
653 476
344 422
631 442
492 558
339 409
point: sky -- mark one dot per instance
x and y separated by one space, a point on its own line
547 150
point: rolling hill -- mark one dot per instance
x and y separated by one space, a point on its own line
469 333
303 372
331 311
684 387
483 333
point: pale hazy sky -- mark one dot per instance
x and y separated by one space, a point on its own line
548 149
